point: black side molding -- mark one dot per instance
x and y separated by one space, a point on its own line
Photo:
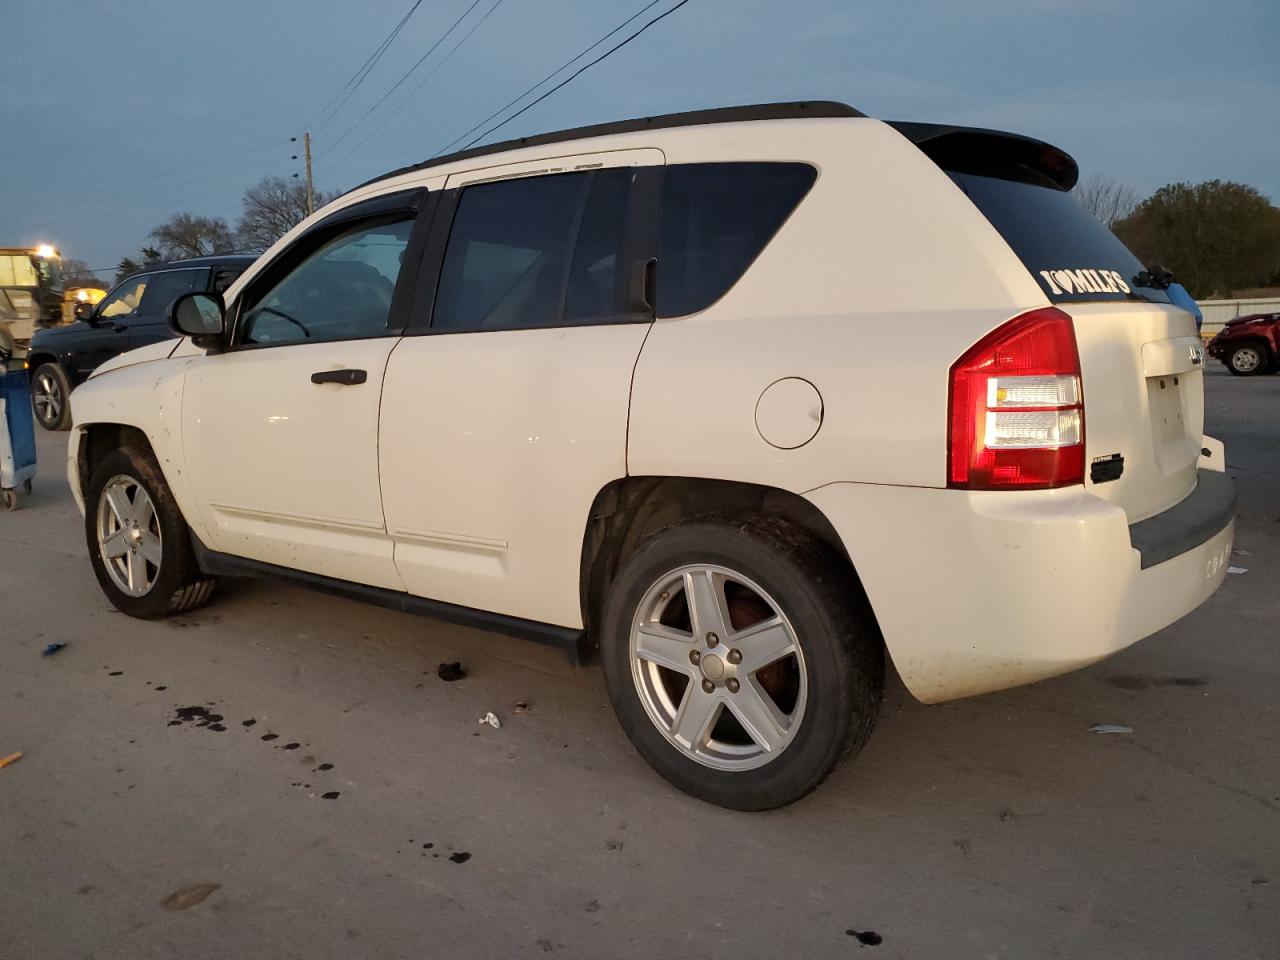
1199 517
571 640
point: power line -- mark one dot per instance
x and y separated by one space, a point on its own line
361 74
413 93
579 72
562 66
405 76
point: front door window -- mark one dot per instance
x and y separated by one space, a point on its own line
342 291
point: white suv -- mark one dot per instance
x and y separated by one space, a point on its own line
740 398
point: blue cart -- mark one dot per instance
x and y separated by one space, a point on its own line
17 435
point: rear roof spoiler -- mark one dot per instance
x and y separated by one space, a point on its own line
992 153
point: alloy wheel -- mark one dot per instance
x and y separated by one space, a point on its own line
1246 359
130 542
718 667
46 397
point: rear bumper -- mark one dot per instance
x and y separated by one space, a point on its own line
980 591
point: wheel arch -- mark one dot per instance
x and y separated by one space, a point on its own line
628 509
99 439
37 359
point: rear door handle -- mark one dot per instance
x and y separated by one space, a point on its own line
347 378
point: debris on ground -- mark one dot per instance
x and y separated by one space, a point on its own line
188 897
868 938
460 857
492 720
51 649
521 706
449 672
1110 728
1237 569
11 758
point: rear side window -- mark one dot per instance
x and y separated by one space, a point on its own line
716 218
168 285
536 252
1072 255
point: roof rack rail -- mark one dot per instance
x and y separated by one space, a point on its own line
761 111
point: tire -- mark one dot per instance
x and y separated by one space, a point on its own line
51 397
1248 360
827 691
123 484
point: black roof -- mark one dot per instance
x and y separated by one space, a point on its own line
690 118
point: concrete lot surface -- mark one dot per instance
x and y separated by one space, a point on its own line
349 805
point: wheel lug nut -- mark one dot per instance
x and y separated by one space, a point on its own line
712 639
735 656
694 656
708 686
732 685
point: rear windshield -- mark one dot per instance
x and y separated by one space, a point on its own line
1068 250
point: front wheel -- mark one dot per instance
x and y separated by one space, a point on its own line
138 541
50 397
739 660
1247 360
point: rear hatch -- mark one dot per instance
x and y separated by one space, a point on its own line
1141 361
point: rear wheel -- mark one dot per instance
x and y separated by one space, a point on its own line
738 662
139 544
50 396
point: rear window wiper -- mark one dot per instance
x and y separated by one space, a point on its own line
1155 276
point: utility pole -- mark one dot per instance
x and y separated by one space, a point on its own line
306 143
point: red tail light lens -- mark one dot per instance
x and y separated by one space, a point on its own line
1016 408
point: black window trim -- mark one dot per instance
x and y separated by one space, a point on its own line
639 244
416 204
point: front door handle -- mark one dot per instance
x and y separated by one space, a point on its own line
347 378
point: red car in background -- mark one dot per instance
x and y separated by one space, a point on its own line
1249 345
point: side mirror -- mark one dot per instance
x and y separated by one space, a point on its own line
200 316
84 311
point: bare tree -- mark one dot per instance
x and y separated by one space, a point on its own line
76 273
272 207
1108 200
185 235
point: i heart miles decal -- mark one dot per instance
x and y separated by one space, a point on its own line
1069 282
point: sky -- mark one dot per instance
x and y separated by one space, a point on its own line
116 114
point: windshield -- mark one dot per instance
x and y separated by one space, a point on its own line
17 270
1072 255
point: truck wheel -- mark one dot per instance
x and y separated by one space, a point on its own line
51 396
1247 360
139 544
740 661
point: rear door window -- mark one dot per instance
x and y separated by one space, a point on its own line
716 219
536 252
167 285
1072 255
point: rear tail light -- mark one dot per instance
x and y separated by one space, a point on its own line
1016 407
